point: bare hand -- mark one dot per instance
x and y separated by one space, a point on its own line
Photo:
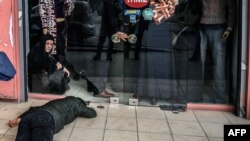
45 31
14 122
59 66
123 36
66 71
226 34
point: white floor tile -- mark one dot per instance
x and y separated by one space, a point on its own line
213 129
211 116
111 135
121 110
81 134
153 126
121 123
189 138
182 116
186 128
154 137
95 123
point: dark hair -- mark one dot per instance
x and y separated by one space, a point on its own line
44 39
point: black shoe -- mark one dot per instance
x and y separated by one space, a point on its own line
91 87
94 90
97 57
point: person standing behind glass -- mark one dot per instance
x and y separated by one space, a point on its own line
53 16
216 24
110 23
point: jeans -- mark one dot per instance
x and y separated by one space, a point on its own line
36 126
211 41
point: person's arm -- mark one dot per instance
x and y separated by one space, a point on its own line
68 7
111 13
87 112
61 67
15 122
43 14
40 64
121 35
231 10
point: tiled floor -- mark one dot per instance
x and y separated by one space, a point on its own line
116 122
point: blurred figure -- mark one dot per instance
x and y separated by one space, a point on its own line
137 29
110 24
54 14
216 25
104 93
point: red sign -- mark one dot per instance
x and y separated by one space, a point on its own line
136 3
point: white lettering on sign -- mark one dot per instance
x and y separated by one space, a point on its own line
236 132
136 3
142 1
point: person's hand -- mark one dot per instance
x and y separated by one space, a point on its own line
58 20
121 35
66 71
59 66
45 31
226 34
14 122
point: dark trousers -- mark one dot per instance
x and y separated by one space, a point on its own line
137 29
36 126
105 32
61 38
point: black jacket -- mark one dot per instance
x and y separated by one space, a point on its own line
63 111
188 13
39 61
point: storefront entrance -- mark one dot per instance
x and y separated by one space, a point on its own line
166 70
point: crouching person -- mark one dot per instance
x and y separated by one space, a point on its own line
46 74
42 122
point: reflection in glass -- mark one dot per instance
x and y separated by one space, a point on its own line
132 38
165 66
115 39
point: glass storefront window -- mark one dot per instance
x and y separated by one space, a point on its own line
172 61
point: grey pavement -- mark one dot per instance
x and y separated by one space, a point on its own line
118 122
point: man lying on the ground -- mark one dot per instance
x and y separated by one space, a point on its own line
42 122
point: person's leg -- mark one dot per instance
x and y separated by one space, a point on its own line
203 48
196 54
140 32
42 126
205 45
61 40
75 75
127 45
24 130
91 87
110 49
219 63
101 40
